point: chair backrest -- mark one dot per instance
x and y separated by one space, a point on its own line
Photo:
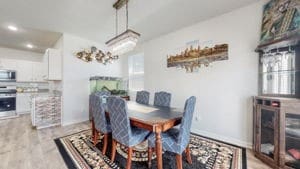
102 93
93 95
100 119
98 110
119 120
92 104
142 97
186 123
162 99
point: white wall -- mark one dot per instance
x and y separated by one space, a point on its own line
76 74
14 54
223 91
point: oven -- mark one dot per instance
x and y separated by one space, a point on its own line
7 75
7 101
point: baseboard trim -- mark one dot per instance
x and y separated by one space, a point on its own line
197 131
74 122
24 112
223 138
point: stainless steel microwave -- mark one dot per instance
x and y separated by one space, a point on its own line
7 75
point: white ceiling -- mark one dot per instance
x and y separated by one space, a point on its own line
95 19
39 39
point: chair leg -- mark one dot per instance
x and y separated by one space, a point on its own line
128 165
105 140
150 152
179 161
188 155
95 138
93 128
113 150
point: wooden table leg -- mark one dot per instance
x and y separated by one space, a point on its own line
159 150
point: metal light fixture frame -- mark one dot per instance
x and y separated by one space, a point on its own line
129 36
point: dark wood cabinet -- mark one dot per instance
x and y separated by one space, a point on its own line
277 131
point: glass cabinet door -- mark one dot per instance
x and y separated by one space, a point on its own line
292 140
280 78
269 132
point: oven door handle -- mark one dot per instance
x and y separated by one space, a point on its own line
8 80
7 97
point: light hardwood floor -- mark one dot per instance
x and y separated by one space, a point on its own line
21 146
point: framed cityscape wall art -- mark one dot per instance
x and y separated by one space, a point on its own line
281 18
191 58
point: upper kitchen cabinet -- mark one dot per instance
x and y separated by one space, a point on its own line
8 64
24 71
54 63
39 72
28 71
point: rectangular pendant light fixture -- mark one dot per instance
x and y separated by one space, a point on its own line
123 43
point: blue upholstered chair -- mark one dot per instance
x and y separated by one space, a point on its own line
162 99
103 93
142 97
100 122
177 140
122 132
92 100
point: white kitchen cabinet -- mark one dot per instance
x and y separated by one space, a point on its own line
28 71
8 64
32 71
54 60
24 71
39 72
23 103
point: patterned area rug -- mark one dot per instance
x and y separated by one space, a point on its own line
78 152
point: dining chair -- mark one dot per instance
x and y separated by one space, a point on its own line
103 93
142 97
122 132
177 140
162 99
92 100
100 123
91 107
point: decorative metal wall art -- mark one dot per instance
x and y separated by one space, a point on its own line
281 18
192 58
88 55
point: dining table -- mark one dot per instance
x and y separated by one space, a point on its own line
154 119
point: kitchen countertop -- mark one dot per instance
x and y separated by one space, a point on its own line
34 92
46 94
42 93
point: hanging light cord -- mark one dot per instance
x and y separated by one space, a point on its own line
126 14
116 22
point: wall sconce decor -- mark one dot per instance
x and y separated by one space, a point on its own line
192 58
88 55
